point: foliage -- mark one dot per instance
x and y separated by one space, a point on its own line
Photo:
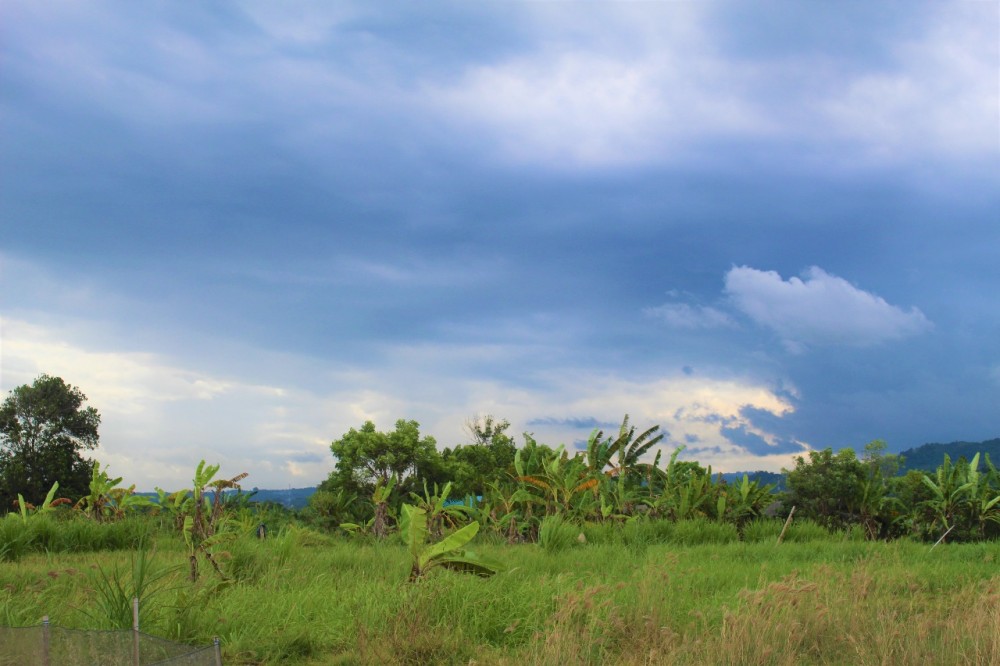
204 519
927 457
557 534
44 430
963 499
367 456
331 508
448 553
487 459
441 514
116 587
46 533
380 500
826 601
828 487
106 501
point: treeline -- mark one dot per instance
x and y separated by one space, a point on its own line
510 489
45 430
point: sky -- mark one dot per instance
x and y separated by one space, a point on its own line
244 228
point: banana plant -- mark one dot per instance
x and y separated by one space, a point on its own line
630 450
949 487
106 501
440 514
172 505
448 553
687 498
98 504
563 482
204 518
743 501
363 528
380 499
503 510
26 509
983 497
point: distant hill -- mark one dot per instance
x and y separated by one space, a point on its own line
763 478
291 498
929 456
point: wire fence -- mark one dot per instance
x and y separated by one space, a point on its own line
55 646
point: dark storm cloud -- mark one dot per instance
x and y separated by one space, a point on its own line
363 185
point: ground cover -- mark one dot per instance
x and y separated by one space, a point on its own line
650 597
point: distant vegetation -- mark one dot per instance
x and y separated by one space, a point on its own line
929 456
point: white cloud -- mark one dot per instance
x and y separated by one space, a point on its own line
684 406
941 96
160 418
683 315
821 309
579 108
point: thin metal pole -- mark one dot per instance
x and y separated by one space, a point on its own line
135 631
218 652
45 641
942 537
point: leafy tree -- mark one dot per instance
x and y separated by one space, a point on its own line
829 488
44 430
488 458
368 458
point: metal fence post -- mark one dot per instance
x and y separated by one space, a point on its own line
45 641
218 652
135 631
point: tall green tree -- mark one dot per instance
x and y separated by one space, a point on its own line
367 456
828 487
487 459
44 431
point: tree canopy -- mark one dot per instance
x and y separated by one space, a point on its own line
368 456
44 430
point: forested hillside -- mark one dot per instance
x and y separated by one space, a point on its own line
929 456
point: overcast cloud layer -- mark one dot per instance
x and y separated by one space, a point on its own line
244 228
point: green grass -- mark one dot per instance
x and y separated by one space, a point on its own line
630 595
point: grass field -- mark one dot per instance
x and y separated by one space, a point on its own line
306 598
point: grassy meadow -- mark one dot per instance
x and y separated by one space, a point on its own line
653 593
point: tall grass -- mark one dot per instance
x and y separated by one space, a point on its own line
42 533
305 599
556 534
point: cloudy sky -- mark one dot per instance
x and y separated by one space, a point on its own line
242 228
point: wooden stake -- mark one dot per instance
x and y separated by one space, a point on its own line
785 528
